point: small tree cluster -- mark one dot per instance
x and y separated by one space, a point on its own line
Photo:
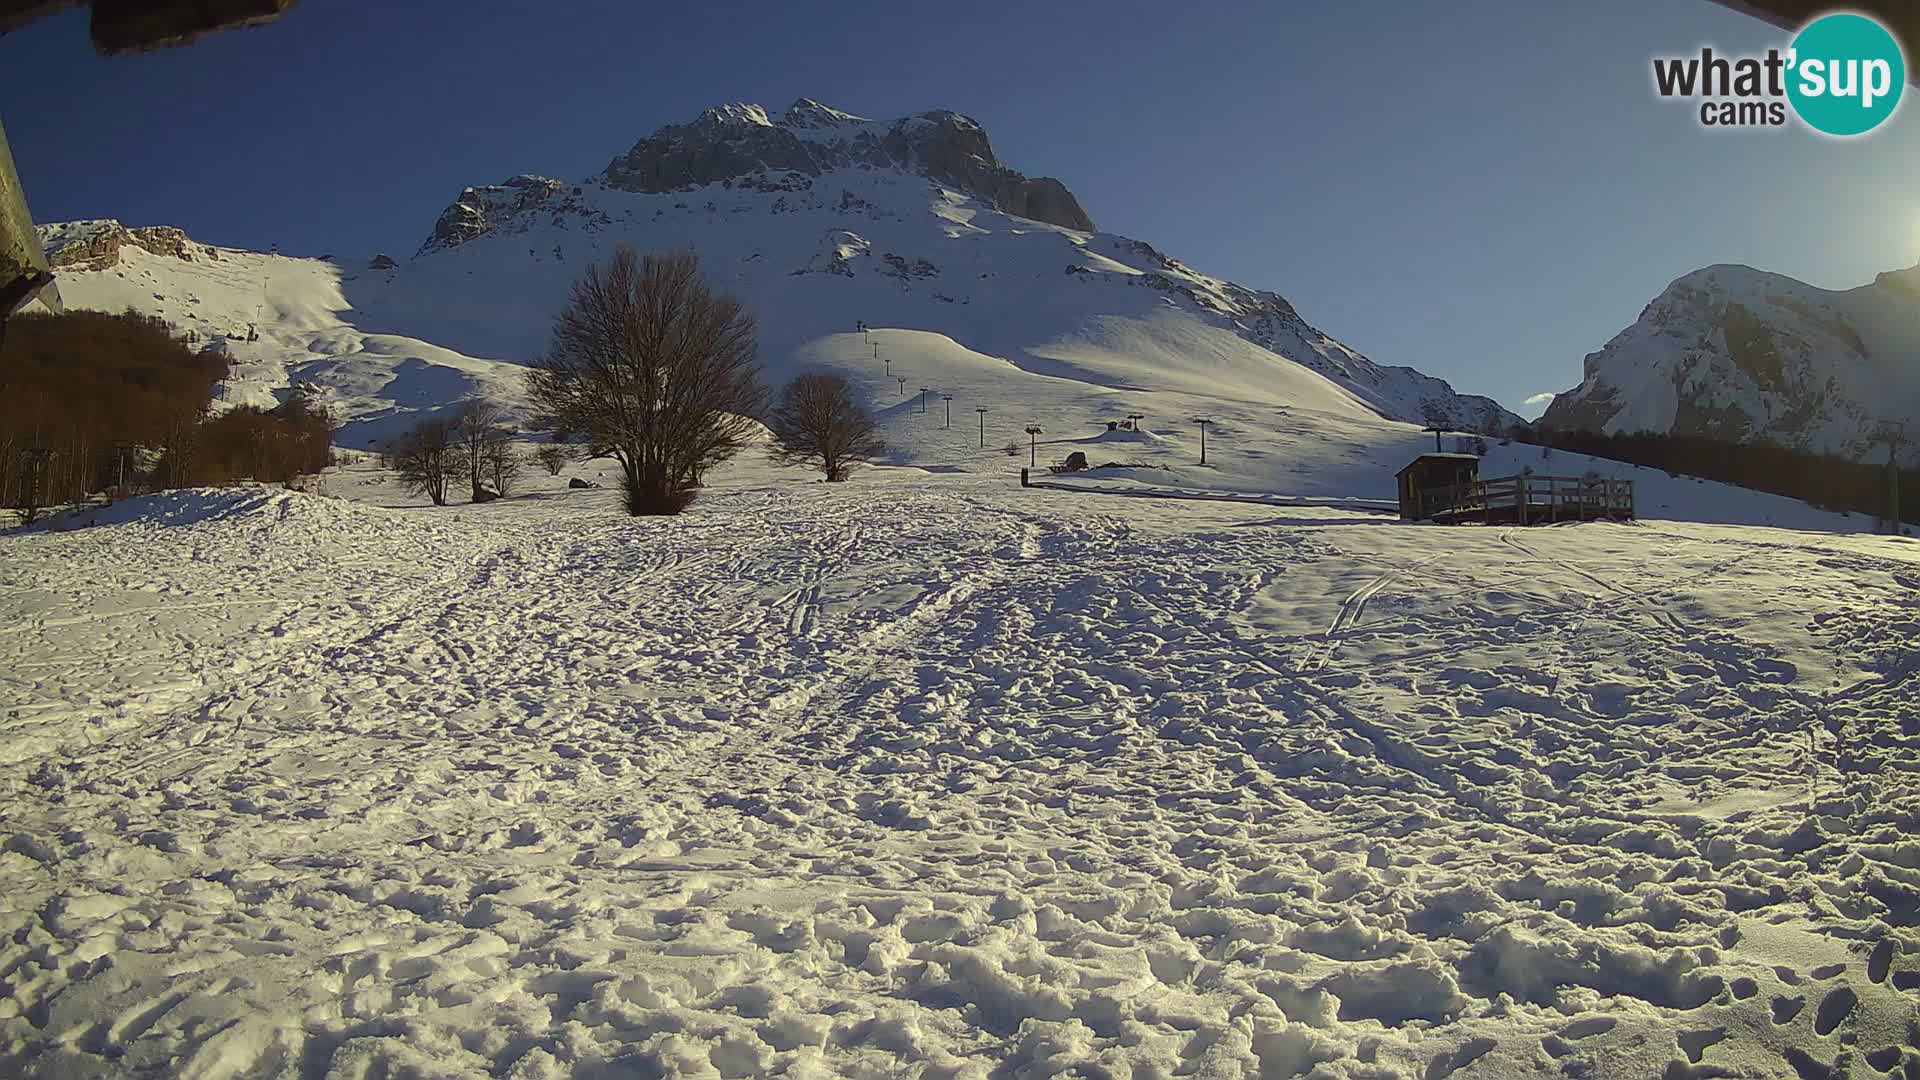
247 442
474 445
486 448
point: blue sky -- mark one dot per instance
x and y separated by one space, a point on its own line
1485 190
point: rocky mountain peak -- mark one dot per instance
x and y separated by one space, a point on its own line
807 113
741 142
1905 281
479 210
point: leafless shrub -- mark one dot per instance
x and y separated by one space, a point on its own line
502 464
553 457
656 369
428 458
818 423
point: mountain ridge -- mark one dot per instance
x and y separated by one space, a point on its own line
1740 354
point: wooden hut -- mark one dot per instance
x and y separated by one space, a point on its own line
1448 488
1429 483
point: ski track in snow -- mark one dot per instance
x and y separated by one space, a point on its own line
943 777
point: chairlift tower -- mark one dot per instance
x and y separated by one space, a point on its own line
982 410
1893 434
1203 421
924 391
948 398
1033 445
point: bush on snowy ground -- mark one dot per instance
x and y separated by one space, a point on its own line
428 458
819 424
602 347
553 457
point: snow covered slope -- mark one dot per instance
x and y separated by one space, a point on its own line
1037 323
294 309
356 328
930 775
1740 354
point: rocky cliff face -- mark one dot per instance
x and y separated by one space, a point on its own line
95 245
480 210
741 143
1738 354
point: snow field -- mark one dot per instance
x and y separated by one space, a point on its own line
928 774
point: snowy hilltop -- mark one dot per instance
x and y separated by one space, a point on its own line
1739 354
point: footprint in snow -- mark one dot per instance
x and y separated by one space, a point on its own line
1834 1009
1881 961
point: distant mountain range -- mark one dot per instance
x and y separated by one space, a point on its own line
1738 354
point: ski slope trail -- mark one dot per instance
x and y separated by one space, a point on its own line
933 775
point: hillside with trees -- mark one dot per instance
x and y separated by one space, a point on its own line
91 402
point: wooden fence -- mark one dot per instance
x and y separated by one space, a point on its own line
1529 500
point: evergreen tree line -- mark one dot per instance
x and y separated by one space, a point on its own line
1823 480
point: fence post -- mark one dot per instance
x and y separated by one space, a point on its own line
1522 497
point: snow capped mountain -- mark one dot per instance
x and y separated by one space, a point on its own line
1740 354
912 222
821 220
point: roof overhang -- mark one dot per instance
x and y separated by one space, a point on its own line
132 25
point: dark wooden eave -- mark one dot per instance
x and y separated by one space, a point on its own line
121 26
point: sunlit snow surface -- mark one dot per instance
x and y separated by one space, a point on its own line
927 774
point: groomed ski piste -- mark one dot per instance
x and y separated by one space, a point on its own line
1213 771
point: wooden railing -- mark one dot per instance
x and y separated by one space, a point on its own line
1529 499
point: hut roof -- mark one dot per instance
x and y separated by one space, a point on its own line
1475 458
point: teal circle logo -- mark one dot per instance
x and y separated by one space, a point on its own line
1845 74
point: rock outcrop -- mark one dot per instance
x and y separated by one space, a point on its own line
95 245
742 143
479 210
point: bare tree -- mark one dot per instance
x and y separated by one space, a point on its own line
501 464
428 458
818 422
486 446
179 447
656 369
553 457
